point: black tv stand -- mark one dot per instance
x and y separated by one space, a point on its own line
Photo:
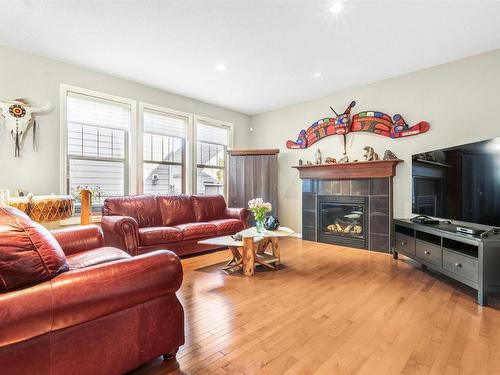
471 259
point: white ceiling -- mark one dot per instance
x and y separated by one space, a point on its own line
271 48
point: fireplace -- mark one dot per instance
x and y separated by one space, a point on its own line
348 203
343 220
356 196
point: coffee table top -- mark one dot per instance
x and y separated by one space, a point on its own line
226 241
280 232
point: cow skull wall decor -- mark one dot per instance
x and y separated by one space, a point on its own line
17 116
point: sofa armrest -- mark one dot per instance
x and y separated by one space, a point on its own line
239 214
89 293
25 313
121 232
76 239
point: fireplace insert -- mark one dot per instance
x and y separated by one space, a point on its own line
343 220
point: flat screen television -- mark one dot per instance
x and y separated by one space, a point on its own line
459 183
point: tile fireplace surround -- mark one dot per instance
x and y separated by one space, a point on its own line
378 210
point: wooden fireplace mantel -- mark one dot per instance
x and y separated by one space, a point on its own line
349 171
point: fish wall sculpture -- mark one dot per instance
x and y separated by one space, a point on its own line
367 121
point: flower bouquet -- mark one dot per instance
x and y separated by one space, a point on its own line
259 209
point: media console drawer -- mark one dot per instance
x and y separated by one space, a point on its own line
461 265
405 244
429 253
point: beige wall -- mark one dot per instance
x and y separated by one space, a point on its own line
25 75
461 101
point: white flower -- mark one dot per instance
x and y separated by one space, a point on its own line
260 205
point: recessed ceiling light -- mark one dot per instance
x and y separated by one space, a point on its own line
337 7
220 67
317 75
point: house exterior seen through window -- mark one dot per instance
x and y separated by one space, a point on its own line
97 146
211 149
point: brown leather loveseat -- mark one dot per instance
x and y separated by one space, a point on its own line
142 223
70 305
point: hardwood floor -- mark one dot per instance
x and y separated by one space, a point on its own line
331 310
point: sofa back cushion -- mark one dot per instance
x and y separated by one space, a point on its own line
208 207
29 253
176 209
143 208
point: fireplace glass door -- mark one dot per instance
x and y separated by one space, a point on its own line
343 222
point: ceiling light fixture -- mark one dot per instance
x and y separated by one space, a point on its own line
337 7
317 75
220 67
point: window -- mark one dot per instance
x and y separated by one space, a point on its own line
110 150
164 151
212 140
97 132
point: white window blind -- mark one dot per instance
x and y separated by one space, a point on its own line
164 149
211 147
89 110
165 124
97 144
212 133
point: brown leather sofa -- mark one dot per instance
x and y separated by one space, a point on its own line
70 305
142 223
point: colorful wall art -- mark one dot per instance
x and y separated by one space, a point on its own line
367 121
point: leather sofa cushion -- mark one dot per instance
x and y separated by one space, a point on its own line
96 256
176 209
159 235
208 207
227 226
29 253
143 208
197 230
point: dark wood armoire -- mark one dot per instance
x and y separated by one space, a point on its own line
253 174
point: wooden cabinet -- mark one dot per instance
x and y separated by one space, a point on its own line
253 174
472 260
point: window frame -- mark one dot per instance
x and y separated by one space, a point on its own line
140 149
217 123
134 151
130 173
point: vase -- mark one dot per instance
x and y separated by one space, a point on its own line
259 225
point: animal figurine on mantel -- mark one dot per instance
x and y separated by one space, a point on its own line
318 157
330 160
389 155
370 154
345 159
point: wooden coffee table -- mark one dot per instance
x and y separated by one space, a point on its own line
252 249
252 254
235 246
